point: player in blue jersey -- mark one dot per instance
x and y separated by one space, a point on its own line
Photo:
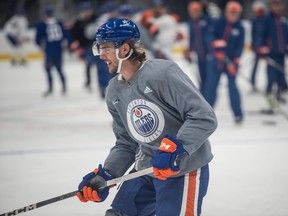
258 45
160 120
227 43
276 37
50 35
199 25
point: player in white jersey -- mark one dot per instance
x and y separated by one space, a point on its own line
16 32
160 120
163 29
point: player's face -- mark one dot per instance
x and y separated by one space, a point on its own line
195 14
277 7
107 54
86 14
232 17
158 10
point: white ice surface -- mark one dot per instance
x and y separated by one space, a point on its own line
47 145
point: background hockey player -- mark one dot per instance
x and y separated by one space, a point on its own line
160 119
276 37
258 45
227 45
83 33
163 29
50 35
199 25
16 33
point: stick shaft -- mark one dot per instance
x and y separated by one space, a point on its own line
73 193
275 65
40 204
129 176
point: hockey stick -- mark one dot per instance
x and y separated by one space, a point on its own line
128 177
275 65
275 106
227 60
72 194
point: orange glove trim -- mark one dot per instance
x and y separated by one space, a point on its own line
231 69
167 145
96 170
90 195
219 55
163 174
81 197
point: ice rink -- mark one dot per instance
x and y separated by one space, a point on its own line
48 144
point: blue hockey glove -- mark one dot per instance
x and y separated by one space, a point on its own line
164 160
89 187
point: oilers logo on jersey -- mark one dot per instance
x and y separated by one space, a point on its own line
145 120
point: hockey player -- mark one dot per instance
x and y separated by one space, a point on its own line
50 35
276 36
160 119
83 33
162 28
82 38
257 35
227 43
199 25
16 29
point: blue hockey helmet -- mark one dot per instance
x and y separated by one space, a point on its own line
48 11
117 31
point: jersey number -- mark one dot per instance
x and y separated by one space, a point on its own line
54 32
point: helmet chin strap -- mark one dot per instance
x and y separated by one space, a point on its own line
122 59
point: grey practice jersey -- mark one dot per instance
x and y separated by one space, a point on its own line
159 99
